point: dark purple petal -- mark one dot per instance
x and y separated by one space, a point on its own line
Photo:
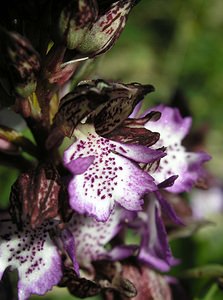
168 182
154 249
136 136
133 131
33 254
167 209
69 246
106 104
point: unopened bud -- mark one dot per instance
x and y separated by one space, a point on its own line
36 193
19 63
89 32
75 20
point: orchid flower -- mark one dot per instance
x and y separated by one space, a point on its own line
33 254
105 172
187 165
67 214
91 236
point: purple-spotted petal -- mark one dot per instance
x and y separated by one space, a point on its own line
171 125
91 236
33 254
187 165
110 178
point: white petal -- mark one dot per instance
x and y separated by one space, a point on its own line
33 254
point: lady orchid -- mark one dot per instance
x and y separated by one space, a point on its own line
108 174
71 206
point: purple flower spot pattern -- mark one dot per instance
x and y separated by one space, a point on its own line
187 165
33 254
112 176
91 236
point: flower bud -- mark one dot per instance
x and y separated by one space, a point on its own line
75 20
19 63
106 30
149 284
35 196
91 31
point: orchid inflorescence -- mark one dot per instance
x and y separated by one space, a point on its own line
70 209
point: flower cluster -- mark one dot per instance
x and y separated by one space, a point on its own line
69 210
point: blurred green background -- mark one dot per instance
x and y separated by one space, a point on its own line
177 46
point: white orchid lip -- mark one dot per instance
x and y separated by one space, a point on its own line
33 254
111 174
91 237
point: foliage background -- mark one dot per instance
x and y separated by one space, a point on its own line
178 47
